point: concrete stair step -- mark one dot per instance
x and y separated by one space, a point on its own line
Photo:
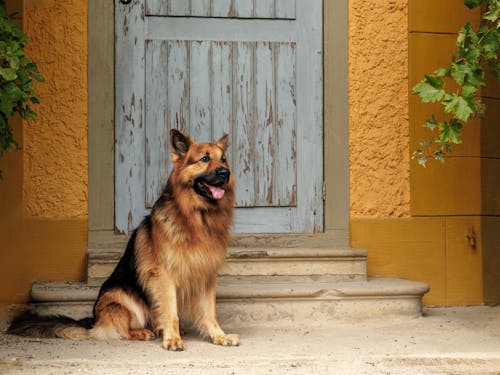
271 299
344 264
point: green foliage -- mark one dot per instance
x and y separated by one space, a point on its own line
476 51
17 74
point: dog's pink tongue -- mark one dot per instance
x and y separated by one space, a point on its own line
217 192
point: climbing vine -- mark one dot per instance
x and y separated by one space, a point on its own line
477 51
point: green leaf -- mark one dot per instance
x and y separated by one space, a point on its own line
476 77
444 131
469 91
458 106
38 77
431 124
455 132
490 44
462 35
434 81
8 74
467 41
428 93
422 160
427 143
472 3
14 92
459 72
31 67
6 107
492 15
442 72
420 157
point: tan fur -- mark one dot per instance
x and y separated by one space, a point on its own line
177 259
72 333
117 313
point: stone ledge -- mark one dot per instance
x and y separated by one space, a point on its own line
256 287
279 299
345 263
114 252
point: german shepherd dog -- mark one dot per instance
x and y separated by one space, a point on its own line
169 268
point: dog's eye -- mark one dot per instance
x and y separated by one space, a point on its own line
205 159
223 159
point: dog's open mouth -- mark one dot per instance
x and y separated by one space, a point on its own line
217 192
212 185
209 191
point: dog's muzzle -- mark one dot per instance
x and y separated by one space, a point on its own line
212 185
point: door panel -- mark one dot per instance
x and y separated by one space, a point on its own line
208 76
271 9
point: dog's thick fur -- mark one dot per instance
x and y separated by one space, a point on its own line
169 268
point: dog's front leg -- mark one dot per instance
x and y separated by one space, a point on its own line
207 319
164 298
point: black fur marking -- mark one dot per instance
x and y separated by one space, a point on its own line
31 324
125 275
180 143
166 196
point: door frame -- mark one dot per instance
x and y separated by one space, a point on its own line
101 111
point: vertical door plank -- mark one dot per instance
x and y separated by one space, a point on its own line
157 137
243 8
129 117
243 133
285 9
286 130
178 7
199 91
264 127
157 7
310 111
221 8
264 8
178 85
222 91
200 8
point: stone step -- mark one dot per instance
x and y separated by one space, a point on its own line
344 264
269 299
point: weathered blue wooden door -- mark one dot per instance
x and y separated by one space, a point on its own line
250 68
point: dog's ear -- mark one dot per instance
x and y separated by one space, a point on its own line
180 143
223 142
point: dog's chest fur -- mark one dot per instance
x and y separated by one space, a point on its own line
194 249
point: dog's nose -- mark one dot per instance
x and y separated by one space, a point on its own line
223 173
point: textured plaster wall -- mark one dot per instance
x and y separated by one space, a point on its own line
55 147
378 101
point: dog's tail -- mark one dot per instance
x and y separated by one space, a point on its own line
34 325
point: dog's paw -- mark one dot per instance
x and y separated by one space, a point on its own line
173 343
141 334
227 340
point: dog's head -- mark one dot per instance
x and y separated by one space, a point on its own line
202 170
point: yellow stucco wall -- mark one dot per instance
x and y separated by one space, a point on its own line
378 87
55 147
444 206
43 197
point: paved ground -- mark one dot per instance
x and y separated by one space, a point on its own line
444 341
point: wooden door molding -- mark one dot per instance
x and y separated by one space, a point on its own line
101 117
